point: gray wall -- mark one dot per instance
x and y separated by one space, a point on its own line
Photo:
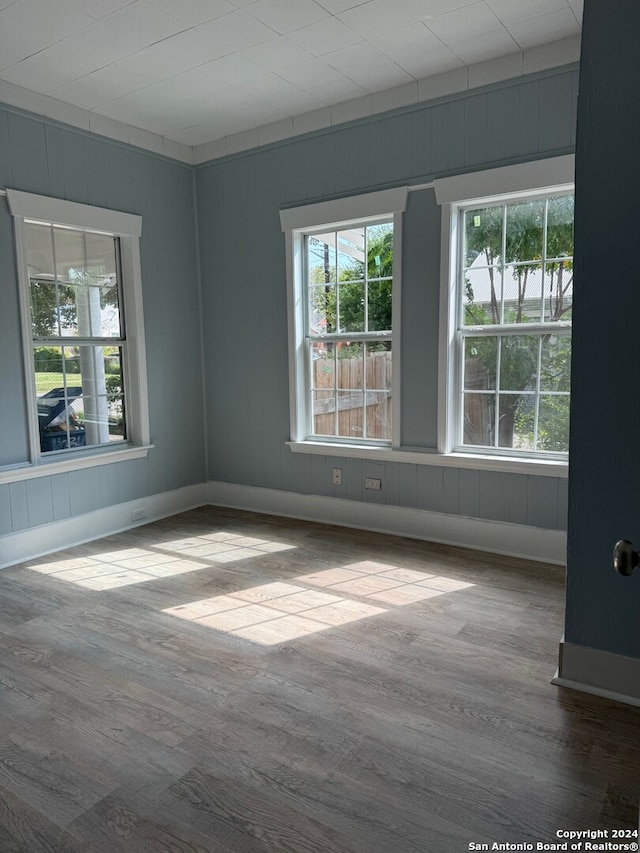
41 157
244 299
603 609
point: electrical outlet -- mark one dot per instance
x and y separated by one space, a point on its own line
373 483
138 514
337 476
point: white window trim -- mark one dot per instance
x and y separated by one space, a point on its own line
128 227
297 222
542 176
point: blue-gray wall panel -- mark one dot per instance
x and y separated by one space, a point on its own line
421 146
46 158
244 297
61 496
502 112
39 496
19 506
420 320
476 130
74 161
6 170
55 161
28 155
5 510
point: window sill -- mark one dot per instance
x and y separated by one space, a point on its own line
509 465
72 462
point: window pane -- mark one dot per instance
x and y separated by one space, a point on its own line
524 231
39 248
483 235
351 254
522 294
558 290
351 307
86 269
519 362
481 296
560 227
322 309
553 423
350 383
479 419
380 250
324 412
516 421
555 367
379 306
80 396
323 382
321 258
480 363
378 390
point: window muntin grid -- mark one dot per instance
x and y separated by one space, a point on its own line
348 337
515 293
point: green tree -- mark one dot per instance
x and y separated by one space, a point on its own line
347 294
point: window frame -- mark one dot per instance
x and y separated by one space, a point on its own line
299 223
127 228
539 179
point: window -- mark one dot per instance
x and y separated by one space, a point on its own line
510 305
344 283
80 279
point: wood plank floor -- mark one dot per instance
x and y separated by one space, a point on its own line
235 683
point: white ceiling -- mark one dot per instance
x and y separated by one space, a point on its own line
194 71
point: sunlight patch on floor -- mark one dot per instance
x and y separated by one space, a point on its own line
276 612
110 569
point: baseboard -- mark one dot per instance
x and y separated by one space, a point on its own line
602 673
514 540
36 541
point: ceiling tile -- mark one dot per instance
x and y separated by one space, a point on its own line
194 12
32 25
335 6
87 92
509 12
276 53
313 72
144 21
122 77
100 8
288 96
484 46
464 23
414 40
439 7
358 58
324 36
194 70
377 17
434 61
285 16
546 28
71 58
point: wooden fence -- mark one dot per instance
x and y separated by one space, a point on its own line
363 407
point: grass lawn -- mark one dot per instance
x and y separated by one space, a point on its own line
47 381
